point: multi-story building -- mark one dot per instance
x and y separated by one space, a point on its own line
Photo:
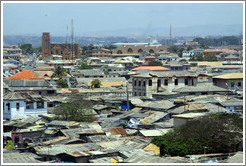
68 51
23 104
144 83
136 50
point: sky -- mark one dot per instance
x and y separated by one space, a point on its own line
89 18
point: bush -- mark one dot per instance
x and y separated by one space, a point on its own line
217 133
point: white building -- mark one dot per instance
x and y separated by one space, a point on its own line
23 104
146 83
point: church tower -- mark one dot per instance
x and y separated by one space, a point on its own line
46 48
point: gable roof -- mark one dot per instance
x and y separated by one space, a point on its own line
25 74
152 68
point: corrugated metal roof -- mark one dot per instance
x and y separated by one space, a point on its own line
117 131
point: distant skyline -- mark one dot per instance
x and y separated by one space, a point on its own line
103 18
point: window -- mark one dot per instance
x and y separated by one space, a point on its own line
135 94
166 81
8 106
186 81
29 105
119 52
151 51
143 83
159 83
139 83
17 106
139 93
176 81
239 84
17 139
129 50
144 94
40 104
150 82
140 50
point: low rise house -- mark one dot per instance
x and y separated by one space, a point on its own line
47 75
231 81
90 73
23 104
181 119
177 65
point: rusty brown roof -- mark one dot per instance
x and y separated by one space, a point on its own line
117 131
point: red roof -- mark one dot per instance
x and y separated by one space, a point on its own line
25 74
217 50
152 68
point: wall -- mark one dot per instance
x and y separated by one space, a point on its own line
179 122
22 112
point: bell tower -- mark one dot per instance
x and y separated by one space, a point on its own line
46 49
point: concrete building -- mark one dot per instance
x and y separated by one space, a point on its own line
231 81
132 49
146 83
23 104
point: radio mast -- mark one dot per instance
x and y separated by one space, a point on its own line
72 40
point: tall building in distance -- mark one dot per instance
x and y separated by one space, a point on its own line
168 41
63 49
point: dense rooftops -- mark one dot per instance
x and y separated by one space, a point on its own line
152 68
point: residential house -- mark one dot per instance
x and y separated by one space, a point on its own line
23 104
215 51
231 81
149 59
29 81
166 58
177 65
9 68
47 75
99 53
89 73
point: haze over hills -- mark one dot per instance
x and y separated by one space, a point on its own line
59 36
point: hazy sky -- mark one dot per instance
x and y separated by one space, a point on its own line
35 18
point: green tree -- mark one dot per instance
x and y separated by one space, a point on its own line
84 66
73 81
180 52
173 49
27 48
155 63
189 48
75 109
218 133
62 83
210 57
59 72
96 83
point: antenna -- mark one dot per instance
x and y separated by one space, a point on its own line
72 38
170 36
67 35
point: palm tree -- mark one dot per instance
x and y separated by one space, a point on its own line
59 72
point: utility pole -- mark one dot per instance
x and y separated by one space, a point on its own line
127 97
